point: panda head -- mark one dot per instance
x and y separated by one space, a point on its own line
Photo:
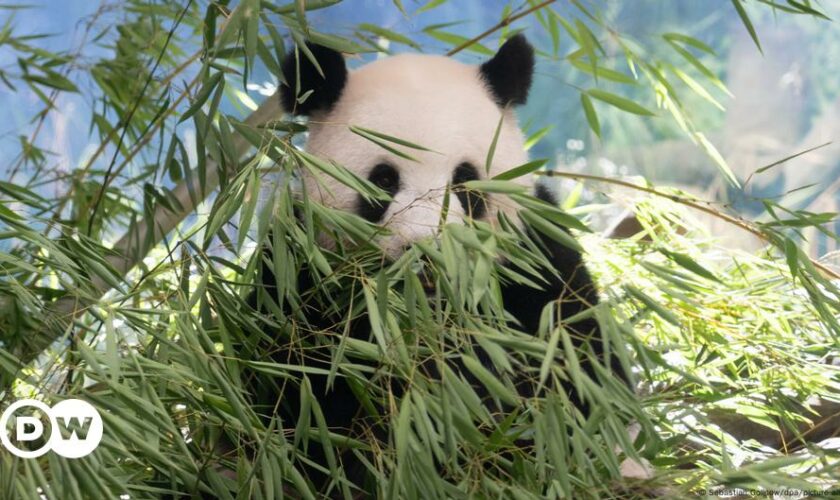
451 108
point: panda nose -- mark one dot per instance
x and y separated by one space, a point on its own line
416 221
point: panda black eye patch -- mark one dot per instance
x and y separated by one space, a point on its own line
474 203
386 178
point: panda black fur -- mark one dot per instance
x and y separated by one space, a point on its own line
454 109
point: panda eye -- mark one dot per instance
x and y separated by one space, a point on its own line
465 172
474 204
385 177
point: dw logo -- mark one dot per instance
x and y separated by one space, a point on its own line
74 428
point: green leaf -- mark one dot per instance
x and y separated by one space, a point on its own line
340 174
588 43
709 74
537 136
336 43
549 359
53 80
591 114
383 140
619 102
808 9
521 170
786 159
232 27
696 87
715 155
208 87
300 14
388 34
390 138
491 151
745 18
22 194
690 264
656 307
688 40
601 72
429 6
252 26
486 377
308 5
376 323
551 230
9 215
458 40
495 186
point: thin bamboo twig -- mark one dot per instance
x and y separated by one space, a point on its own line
735 221
55 93
501 24
106 181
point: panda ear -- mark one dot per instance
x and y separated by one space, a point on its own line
302 76
509 72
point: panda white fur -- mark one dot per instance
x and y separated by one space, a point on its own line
432 101
453 109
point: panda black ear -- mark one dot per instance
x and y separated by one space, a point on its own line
509 72
326 88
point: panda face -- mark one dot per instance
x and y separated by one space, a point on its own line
416 213
445 106
387 177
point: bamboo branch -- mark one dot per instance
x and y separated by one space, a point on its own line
697 205
129 251
501 24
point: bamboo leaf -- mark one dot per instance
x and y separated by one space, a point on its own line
495 386
591 114
521 170
217 79
491 151
619 102
458 40
389 35
745 19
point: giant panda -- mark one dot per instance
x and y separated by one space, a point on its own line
454 109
